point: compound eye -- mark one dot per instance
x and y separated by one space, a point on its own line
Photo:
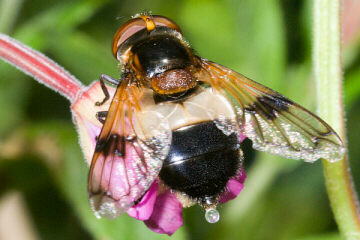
136 24
125 31
166 22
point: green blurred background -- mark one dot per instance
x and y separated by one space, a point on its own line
42 171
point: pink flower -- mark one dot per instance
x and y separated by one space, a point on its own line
159 208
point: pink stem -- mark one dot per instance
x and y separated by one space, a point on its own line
39 67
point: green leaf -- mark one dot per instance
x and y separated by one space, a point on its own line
333 236
352 87
13 90
246 36
9 10
83 56
61 18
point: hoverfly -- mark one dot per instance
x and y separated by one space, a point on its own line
179 118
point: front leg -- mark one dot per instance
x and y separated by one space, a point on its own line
105 78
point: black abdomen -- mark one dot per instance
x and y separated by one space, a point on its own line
201 160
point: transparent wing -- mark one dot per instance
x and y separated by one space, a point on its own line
124 164
274 123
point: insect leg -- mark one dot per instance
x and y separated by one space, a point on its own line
105 78
108 79
101 116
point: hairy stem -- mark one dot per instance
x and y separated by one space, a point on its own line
328 76
39 67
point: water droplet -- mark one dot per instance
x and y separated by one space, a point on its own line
212 215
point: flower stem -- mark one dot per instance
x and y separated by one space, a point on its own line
39 67
328 77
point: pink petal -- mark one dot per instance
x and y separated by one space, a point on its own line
144 209
241 137
84 112
233 187
167 214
